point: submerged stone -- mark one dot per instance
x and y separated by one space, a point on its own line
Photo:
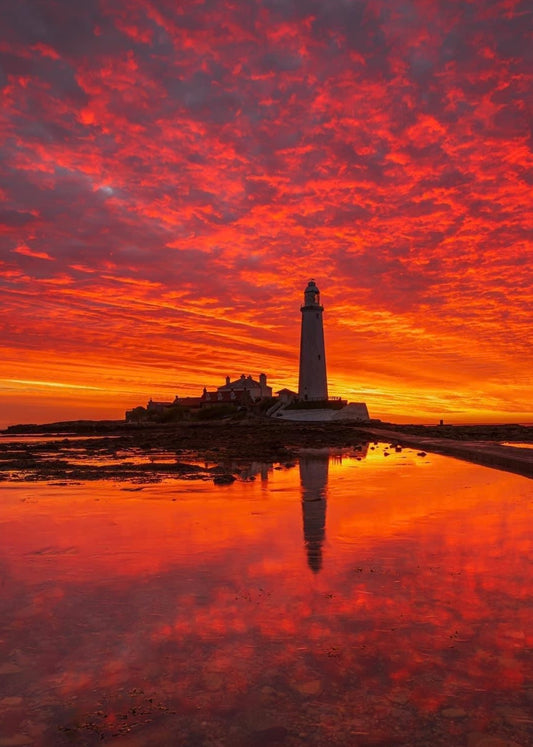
223 479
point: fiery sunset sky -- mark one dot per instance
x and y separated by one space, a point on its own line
173 173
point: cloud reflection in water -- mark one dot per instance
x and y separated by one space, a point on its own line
207 605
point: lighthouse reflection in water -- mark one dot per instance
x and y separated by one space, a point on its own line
314 484
314 481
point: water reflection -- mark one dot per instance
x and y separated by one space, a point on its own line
187 613
314 480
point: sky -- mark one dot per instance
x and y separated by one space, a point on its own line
173 173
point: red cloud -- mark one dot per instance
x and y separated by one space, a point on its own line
177 156
27 252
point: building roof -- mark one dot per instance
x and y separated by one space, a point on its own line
245 382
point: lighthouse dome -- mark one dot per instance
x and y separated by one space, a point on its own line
311 294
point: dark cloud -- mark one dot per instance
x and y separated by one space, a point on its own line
15 218
68 27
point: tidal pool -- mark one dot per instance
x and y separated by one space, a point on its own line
371 598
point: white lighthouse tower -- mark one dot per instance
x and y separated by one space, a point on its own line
313 383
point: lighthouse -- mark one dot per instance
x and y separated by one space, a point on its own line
313 383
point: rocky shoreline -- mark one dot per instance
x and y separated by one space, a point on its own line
95 450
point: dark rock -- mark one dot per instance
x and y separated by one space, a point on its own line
223 479
275 735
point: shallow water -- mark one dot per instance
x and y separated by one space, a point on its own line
59 438
362 599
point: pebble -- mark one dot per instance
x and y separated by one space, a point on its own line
516 716
312 687
214 681
14 700
518 635
400 697
223 479
269 737
16 740
453 713
487 740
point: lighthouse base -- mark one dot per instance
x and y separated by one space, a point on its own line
355 411
318 404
